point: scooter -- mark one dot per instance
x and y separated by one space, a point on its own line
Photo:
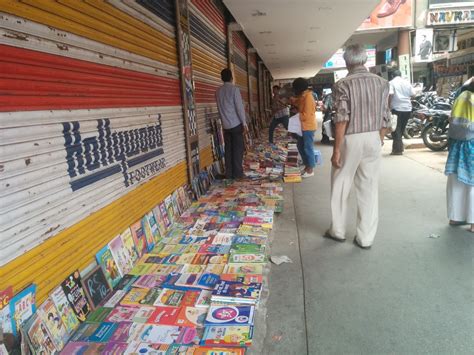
435 132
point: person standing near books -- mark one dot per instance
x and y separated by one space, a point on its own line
362 117
232 112
280 111
401 92
306 105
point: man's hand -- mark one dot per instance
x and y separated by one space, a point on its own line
245 127
336 159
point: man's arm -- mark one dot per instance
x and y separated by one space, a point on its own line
341 105
338 139
239 105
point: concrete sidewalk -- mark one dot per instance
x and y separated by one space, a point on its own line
409 294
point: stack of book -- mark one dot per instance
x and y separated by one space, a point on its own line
292 171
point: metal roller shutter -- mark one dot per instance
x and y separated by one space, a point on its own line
253 83
208 43
239 59
91 129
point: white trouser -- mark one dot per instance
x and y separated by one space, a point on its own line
460 199
360 157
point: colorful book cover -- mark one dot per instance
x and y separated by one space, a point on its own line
151 296
241 239
134 296
121 314
186 258
53 322
223 238
170 297
233 335
164 215
5 297
139 238
237 290
169 208
141 269
191 317
149 281
230 315
244 268
75 294
243 278
40 340
187 280
159 220
163 334
143 314
122 332
214 269
115 299
106 261
247 258
211 350
126 282
6 319
22 307
214 249
164 315
99 315
138 347
84 331
65 310
119 254
193 269
190 298
150 235
204 299
75 348
207 281
103 333
252 231
247 249
131 252
113 348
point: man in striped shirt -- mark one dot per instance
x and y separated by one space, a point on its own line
362 116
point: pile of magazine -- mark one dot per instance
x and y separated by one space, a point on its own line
292 170
187 277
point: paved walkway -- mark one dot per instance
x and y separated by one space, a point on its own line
409 294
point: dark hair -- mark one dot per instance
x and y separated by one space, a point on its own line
397 73
226 75
300 85
275 86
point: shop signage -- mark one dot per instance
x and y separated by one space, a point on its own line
450 16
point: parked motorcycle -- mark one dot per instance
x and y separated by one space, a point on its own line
435 132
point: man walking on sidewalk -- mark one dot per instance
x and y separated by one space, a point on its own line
232 112
362 115
400 101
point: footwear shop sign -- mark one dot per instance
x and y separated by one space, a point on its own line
93 155
451 16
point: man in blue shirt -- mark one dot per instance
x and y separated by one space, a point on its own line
232 113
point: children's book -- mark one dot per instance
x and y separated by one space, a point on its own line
211 350
164 215
169 208
134 297
119 254
164 315
191 317
252 231
151 296
214 249
230 315
121 314
143 314
204 299
130 248
170 297
53 322
223 238
247 249
163 334
236 292
240 239
244 268
75 294
99 315
139 238
214 269
64 309
150 236
106 261
5 317
22 307
40 340
159 220
5 297
149 281
232 335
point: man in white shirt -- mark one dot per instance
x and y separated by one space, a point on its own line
401 92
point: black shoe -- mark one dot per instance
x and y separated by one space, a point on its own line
329 236
396 153
356 243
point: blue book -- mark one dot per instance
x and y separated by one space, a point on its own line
208 281
103 333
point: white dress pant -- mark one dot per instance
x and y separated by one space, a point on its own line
460 199
360 157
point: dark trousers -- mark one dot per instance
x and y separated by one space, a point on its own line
234 152
397 135
275 122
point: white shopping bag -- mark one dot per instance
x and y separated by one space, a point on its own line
328 128
294 125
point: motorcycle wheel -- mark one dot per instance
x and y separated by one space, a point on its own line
408 134
427 133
